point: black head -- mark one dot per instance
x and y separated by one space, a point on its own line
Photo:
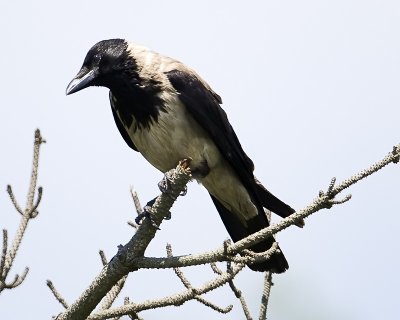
102 65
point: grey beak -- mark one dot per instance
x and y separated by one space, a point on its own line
80 82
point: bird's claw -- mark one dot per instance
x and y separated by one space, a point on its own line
147 213
165 186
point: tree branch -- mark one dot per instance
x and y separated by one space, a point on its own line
265 296
238 294
121 264
188 286
130 257
30 212
115 290
56 294
172 300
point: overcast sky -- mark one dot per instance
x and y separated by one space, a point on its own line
312 90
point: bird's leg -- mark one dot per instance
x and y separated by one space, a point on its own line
147 213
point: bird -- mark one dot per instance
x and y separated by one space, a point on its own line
167 112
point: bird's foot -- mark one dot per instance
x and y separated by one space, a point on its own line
148 213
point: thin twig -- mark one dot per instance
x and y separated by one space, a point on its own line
136 201
103 257
14 200
265 296
138 207
188 285
56 294
18 279
133 224
133 316
238 294
3 253
35 166
33 211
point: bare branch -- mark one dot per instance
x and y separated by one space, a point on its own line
188 285
216 255
341 201
133 224
103 257
14 200
18 279
130 257
238 294
265 296
3 253
28 213
35 167
121 264
136 201
225 253
215 268
16 243
115 290
113 294
173 300
236 291
396 153
133 316
15 283
57 295
33 211
323 201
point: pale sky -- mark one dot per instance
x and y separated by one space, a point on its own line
312 90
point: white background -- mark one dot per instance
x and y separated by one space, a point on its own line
312 90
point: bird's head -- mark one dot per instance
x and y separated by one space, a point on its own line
102 66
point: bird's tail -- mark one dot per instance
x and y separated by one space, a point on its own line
237 230
272 203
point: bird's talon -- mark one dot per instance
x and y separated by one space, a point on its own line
168 216
146 214
139 218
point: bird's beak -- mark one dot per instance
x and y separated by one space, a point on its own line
82 80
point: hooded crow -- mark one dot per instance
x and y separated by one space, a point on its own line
167 112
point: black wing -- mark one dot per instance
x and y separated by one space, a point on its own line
120 125
204 105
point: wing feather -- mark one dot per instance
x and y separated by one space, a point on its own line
120 125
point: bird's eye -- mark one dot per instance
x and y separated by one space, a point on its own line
105 64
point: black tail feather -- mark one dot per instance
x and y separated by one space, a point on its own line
237 230
272 203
